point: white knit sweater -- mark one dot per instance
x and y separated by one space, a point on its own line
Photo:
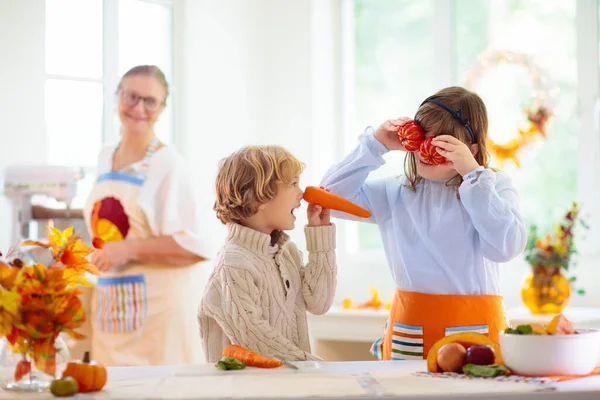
258 295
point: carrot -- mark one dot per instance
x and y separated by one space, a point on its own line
250 358
323 198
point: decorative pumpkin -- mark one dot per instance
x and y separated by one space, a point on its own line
64 387
429 154
90 376
411 135
466 339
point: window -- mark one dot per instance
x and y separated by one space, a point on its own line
145 37
74 96
393 45
396 64
90 44
83 69
547 179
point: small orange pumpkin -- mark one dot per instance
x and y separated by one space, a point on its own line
90 376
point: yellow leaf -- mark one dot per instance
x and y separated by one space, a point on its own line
74 277
36 243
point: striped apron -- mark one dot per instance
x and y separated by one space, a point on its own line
142 314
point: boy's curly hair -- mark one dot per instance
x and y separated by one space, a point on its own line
248 178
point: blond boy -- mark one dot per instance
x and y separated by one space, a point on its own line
259 292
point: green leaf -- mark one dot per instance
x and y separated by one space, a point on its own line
572 279
581 292
525 329
227 363
485 370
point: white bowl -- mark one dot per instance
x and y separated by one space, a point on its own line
551 355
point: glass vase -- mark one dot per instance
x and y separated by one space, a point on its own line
546 290
35 380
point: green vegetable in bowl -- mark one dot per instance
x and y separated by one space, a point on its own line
229 363
485 370
521 330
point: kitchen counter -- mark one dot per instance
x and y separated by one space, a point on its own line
361 380
346 335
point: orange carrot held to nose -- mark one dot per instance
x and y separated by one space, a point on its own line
250 358
323 198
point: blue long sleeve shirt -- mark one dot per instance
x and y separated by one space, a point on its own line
435 239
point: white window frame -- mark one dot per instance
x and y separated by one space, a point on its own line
110 69
589 116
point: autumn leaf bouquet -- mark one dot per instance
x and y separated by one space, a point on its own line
547 289
38 302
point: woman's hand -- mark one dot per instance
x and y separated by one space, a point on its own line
113 254
387 133
459 155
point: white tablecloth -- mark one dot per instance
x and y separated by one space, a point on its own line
381 380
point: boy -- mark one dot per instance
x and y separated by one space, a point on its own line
259 293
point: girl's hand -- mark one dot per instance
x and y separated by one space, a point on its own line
317 215
459 155
113 254
387 133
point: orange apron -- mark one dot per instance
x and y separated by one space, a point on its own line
418 320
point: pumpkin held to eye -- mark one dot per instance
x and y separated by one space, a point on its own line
411 135
429 154
90 376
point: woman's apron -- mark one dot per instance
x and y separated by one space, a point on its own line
418 320
142 314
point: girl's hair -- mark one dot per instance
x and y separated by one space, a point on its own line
248 178
147 70
434 118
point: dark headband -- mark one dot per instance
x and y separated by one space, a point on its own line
456 114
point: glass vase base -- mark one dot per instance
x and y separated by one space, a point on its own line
26 386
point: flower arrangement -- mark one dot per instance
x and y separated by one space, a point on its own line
38 302
555 251
547 290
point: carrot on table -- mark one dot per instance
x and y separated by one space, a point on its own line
323 198
250 358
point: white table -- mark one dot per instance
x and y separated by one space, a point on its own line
394 380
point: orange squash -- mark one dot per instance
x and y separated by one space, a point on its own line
466 339
90 376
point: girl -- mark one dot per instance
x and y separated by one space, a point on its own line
445 228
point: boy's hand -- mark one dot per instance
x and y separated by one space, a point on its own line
318 216
387 133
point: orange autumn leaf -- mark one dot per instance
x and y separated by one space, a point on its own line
23 368
44 355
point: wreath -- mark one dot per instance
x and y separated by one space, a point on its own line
537 113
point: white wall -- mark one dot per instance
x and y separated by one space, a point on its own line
22 81
246 76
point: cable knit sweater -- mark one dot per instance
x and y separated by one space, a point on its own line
259 293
